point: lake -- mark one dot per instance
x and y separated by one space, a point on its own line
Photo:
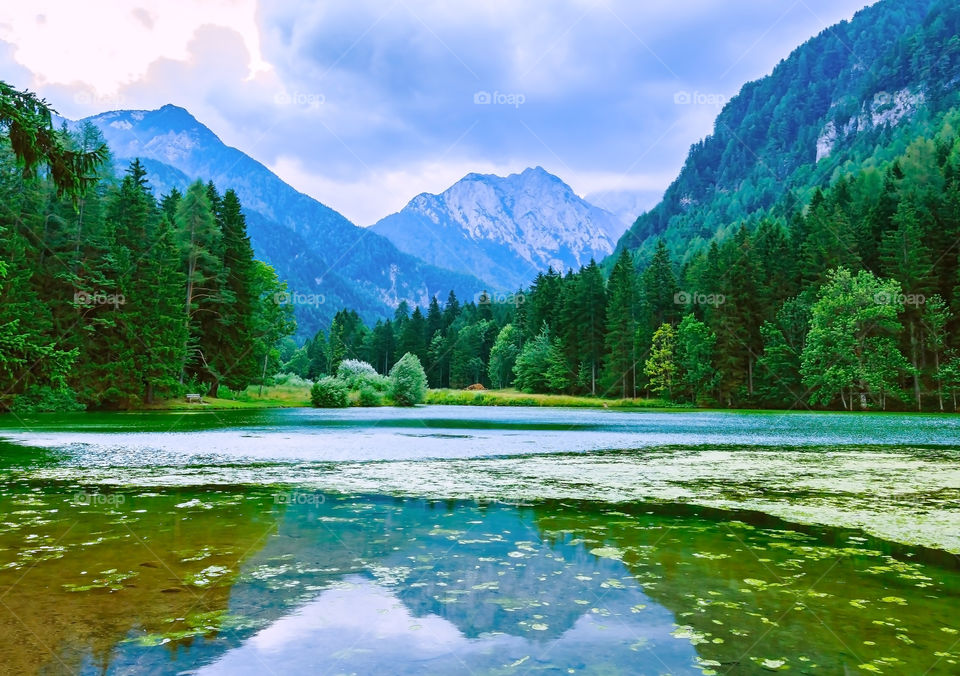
479 541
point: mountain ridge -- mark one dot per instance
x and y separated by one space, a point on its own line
504 229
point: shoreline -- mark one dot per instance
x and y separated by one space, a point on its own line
288 396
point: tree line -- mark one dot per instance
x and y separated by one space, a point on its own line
851 302
111 296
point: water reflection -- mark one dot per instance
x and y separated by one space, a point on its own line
252 580
363 627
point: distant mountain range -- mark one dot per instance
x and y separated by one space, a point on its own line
625 204
852 97
504 230
314 248
484 233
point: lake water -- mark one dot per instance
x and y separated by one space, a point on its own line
122 551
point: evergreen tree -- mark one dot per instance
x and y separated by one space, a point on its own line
413 336
905 259
235 356
503 356
202 250
621 362
936 317
558 375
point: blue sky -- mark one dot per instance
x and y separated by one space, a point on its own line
364 104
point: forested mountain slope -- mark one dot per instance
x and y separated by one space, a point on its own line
853 96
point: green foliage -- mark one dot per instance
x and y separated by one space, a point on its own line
330 392
762 155
368 396
661 366
695 355
46 399
27 121
558 375
740 310
355 373
531 366
503 356
851 351
621 362
408 381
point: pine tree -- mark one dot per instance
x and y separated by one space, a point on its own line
621 360
451 310
234 356
658 291
202 250
503 356
936 317
906 259
413 336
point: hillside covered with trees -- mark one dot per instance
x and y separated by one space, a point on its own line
854 97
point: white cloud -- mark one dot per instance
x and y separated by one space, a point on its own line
111 43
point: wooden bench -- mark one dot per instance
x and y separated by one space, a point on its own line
194 398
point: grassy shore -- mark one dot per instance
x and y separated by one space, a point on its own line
515 398
276 396
298 395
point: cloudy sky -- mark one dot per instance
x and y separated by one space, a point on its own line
365 103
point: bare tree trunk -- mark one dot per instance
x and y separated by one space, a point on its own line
936 369
913 360
191 271
263 375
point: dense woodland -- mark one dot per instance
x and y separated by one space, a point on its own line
851 303
111 297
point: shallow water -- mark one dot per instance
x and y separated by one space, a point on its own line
456 432
119 555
